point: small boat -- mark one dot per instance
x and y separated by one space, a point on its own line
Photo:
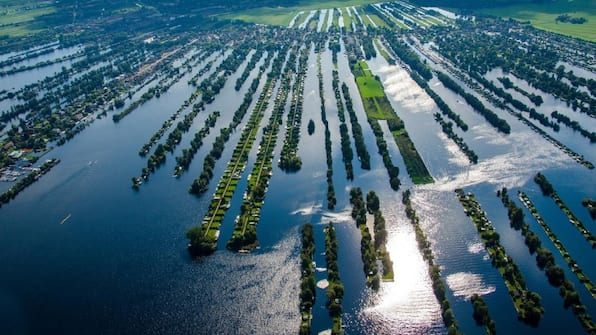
65 219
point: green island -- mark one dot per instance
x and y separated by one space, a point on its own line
583 278
244 236
307 278
335 290
203 238
590 205
373 206
361 151
527 303
290 161
201 184
481 315
434 270
548 190
331 200
367 249
346 147
32 177
377 107
184 160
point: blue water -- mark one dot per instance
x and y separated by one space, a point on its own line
119 264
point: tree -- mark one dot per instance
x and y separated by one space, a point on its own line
311 127
372 201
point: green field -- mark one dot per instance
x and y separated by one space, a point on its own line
17 18
543 16
378 107
281 16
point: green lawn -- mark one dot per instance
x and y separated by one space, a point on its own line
543 16
281 16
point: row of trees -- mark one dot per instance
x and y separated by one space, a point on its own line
556 277
478 106
346 148
434 270
447 128
331 200
184 160
548 190
445 109
307 278
373 206
392 170
335 290
534 98
527 303
564 119
543 119
361 150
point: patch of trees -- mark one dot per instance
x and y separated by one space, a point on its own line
201 184
564 119
311 127
307 278
481 315
380 234
543 119
367 249
478 106
201 243
566 18
361 151
367 45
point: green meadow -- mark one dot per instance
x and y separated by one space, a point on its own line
281 16
543 16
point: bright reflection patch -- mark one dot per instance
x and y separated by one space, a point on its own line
465 284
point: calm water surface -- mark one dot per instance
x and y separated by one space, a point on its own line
119 263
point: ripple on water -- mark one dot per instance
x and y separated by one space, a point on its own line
466 284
